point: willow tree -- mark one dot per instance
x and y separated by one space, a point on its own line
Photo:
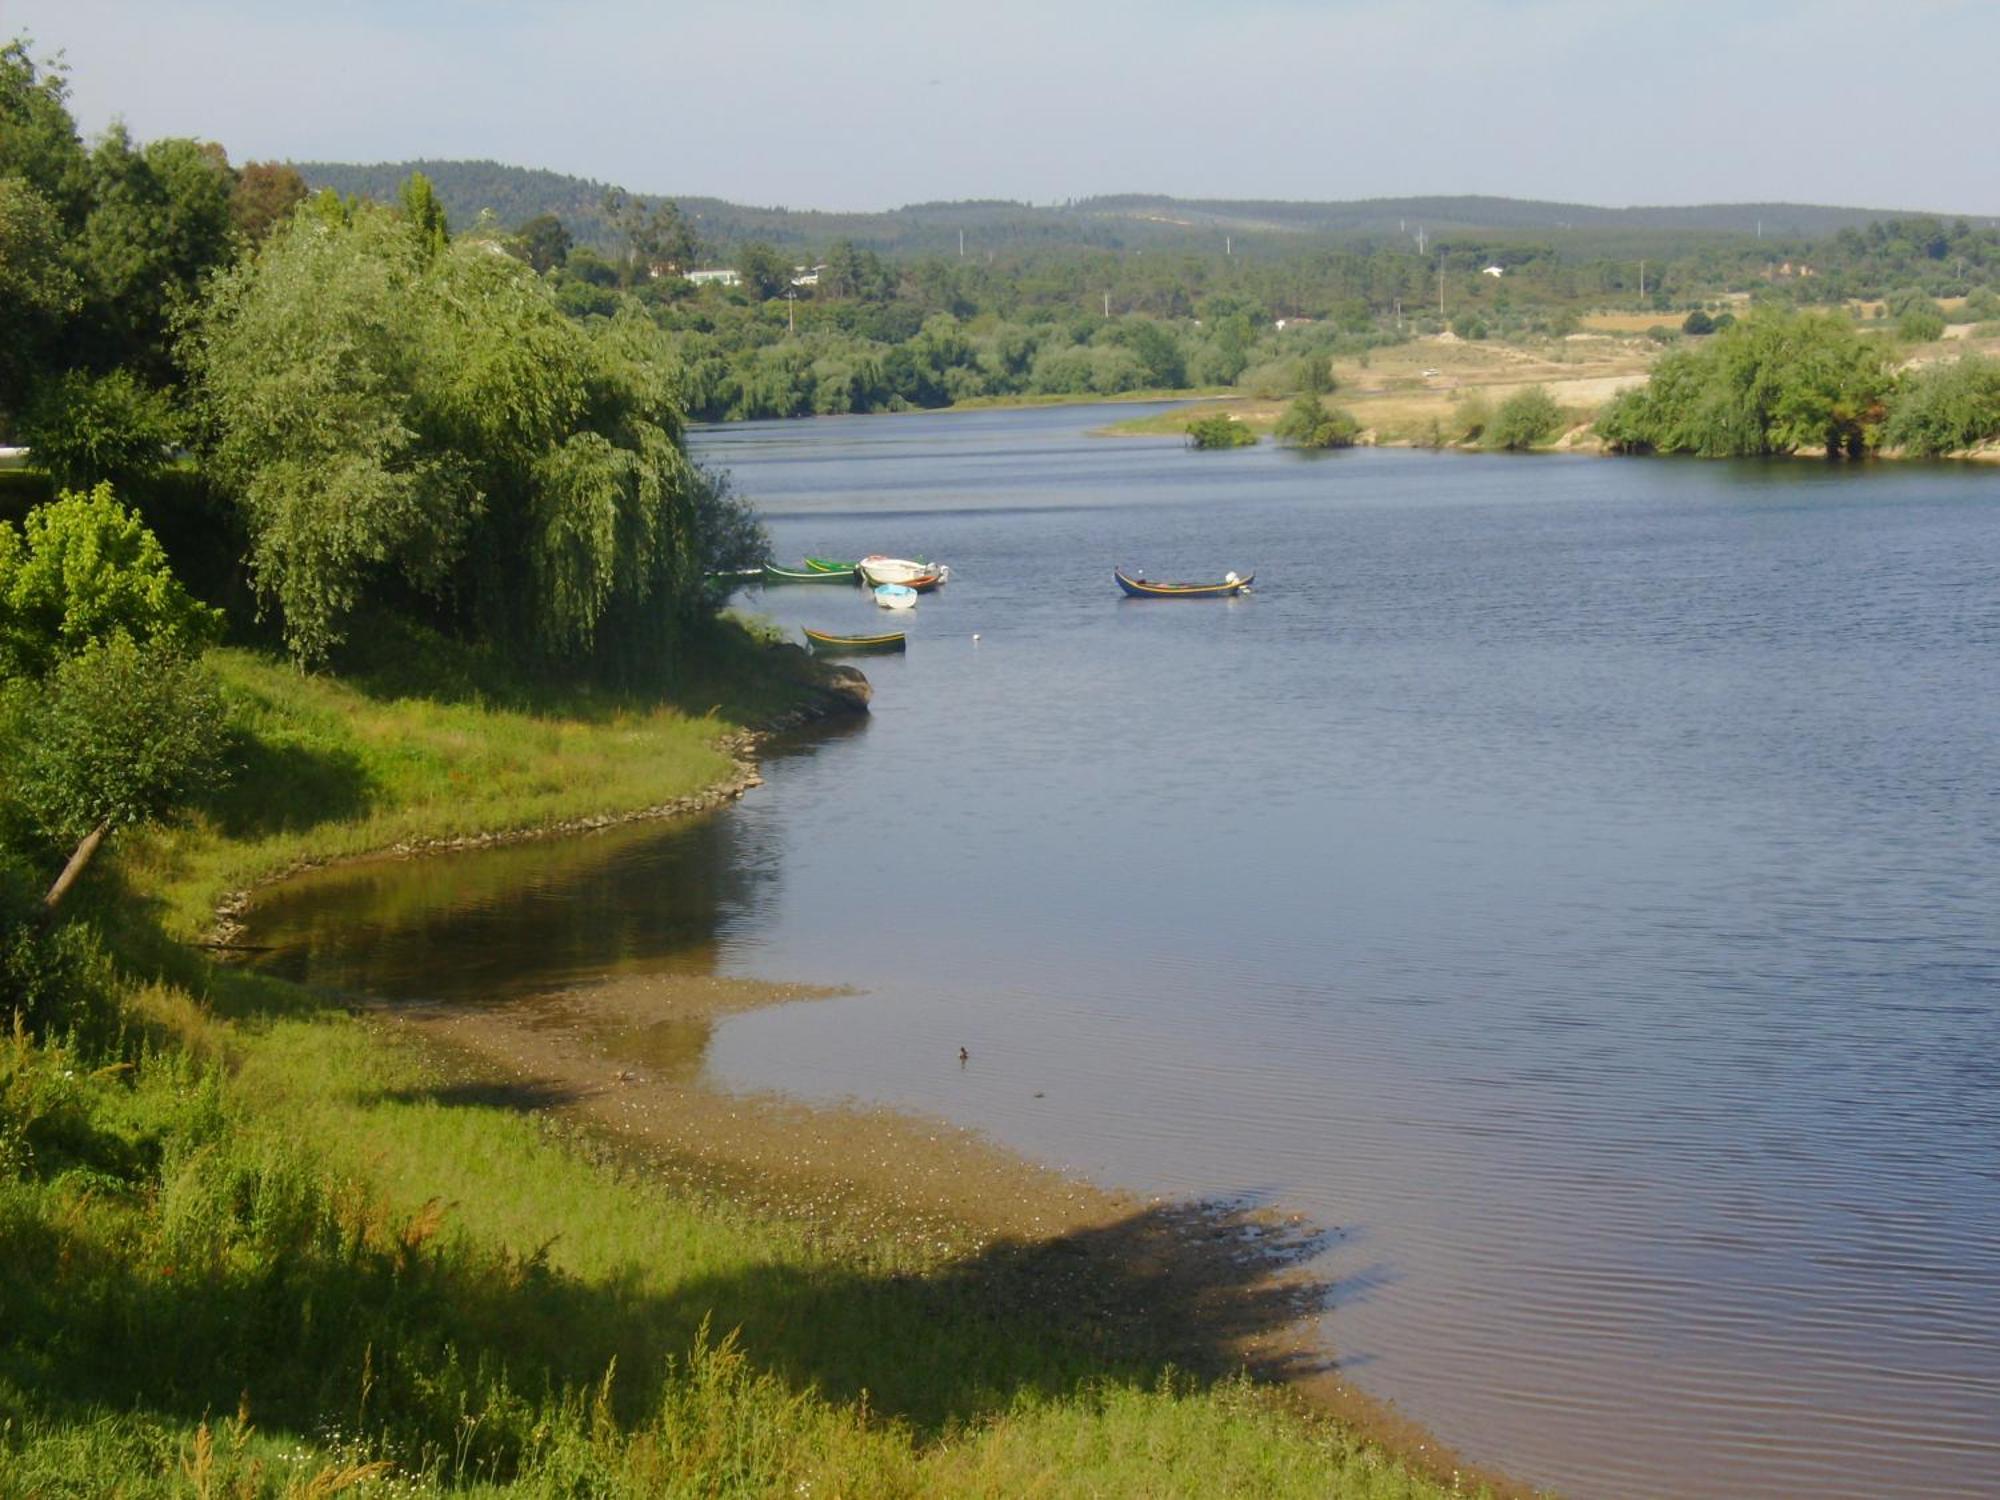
1773 383
415 424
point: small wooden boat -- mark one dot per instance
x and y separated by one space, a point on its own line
790 575
921 576
825 644
895 596
830 565
1140 588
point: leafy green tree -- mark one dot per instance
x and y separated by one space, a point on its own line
119 734
1698 323
81 570
84 428
158 222
266 194
38 139
1921 325
543 242
425 215
1773 383
1219 430
1946 408
659 238
428 427
1525 419
1307 423
765 273
37 287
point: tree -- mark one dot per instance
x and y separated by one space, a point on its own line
659 238
1525 419
1698 323
38 139
37 287
1947 408
1219 430
425 215
84 429
266 194
119 734
399 423
1307 423
766 274
81 570
543 242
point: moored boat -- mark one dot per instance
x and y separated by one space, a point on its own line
791 575
824 643
1141 588
830 565
921 576
895 596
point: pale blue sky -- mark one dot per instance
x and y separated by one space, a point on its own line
873 103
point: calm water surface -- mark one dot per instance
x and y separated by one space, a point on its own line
1576 880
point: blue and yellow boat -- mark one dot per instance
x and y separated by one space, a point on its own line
1140 588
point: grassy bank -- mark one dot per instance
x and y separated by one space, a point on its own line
278 1249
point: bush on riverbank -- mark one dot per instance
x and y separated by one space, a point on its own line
1219 431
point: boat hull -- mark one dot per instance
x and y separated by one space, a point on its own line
829 565
788 575
824 644
1139 588
914 575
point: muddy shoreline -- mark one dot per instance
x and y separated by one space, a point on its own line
1211 1287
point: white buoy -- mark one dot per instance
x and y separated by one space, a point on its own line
975 635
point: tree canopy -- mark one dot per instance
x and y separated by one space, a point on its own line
406 420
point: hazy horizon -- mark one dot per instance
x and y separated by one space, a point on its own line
881 104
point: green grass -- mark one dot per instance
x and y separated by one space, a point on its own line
329 1259
325 767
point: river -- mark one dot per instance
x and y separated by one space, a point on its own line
1576 881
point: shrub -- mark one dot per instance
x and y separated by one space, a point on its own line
1470 417
1526 418
85 428
1219 431
1308 424
82 569
1921 325
1947 408
1698 323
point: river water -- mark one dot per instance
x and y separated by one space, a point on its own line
1576 880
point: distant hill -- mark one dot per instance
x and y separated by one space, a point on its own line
1114 222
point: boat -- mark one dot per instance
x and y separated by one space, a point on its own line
792 575
830 565
825 644
921 576
895 596
1140 588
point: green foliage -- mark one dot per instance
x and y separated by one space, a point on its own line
37 286
1219 430
1307 423
1947 408
119 734
1982 305
398 421
1525 419
766 273
81 571
543 242
1697 323
267 193
1774 383
424 215
1920 325
1471 416
87 429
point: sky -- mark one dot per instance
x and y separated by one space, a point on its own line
870 104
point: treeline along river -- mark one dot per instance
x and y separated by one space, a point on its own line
1575 881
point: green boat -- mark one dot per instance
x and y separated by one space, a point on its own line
829 565
788 575
824 644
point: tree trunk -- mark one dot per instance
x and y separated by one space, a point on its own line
75 866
